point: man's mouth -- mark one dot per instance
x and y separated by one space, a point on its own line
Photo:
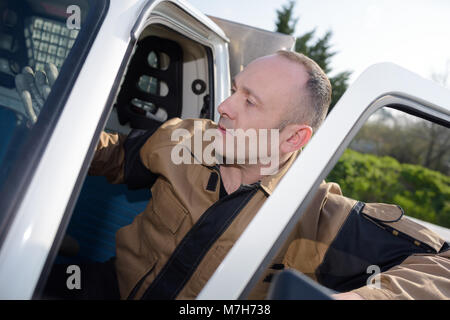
222 129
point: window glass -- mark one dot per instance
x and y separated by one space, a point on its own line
152 60
36 38
400 159
153 85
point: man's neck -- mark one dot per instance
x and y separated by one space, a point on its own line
233 176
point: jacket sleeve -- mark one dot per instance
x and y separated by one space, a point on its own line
420 276
109 157
349 240
118 158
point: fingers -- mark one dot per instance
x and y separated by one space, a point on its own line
42 84
21 83
52 73
27 102
28 75
24 94
46 91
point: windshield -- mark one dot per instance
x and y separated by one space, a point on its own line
37 38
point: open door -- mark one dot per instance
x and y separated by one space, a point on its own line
248 43
400 89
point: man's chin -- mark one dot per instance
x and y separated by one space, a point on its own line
232 157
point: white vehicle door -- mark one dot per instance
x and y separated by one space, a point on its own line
382 85
45 165
248 43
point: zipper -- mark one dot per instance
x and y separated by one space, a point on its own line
139 284
397 233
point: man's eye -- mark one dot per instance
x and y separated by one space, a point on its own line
249 102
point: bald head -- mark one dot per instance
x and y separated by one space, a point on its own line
273 92
276 90
313 96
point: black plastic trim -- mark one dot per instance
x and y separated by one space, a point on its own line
293 285
211 76
419 114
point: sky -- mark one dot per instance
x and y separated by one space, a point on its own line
414 34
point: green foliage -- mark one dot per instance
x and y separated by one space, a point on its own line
407 139
317 49
422 193
339 83
286 24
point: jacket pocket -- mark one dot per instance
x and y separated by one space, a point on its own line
392 219
167 207
372 234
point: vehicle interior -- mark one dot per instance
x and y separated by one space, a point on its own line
167 76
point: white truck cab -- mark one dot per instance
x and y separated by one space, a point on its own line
132 64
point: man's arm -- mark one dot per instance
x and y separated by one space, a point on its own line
421 276
109 157
346 236
117 157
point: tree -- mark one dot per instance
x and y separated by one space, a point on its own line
421 192
319 50
437 148
286 24
407 138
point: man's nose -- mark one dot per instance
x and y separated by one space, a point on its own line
226 108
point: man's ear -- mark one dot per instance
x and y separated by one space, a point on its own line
294 137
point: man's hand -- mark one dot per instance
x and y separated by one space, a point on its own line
34 88
347 296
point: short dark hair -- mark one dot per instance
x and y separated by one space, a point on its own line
318 98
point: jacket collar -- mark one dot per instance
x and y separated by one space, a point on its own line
268 183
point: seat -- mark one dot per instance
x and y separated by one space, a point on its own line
102 208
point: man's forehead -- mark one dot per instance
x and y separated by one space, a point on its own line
270 61
272 71
275 66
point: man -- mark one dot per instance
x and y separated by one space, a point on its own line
199 209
